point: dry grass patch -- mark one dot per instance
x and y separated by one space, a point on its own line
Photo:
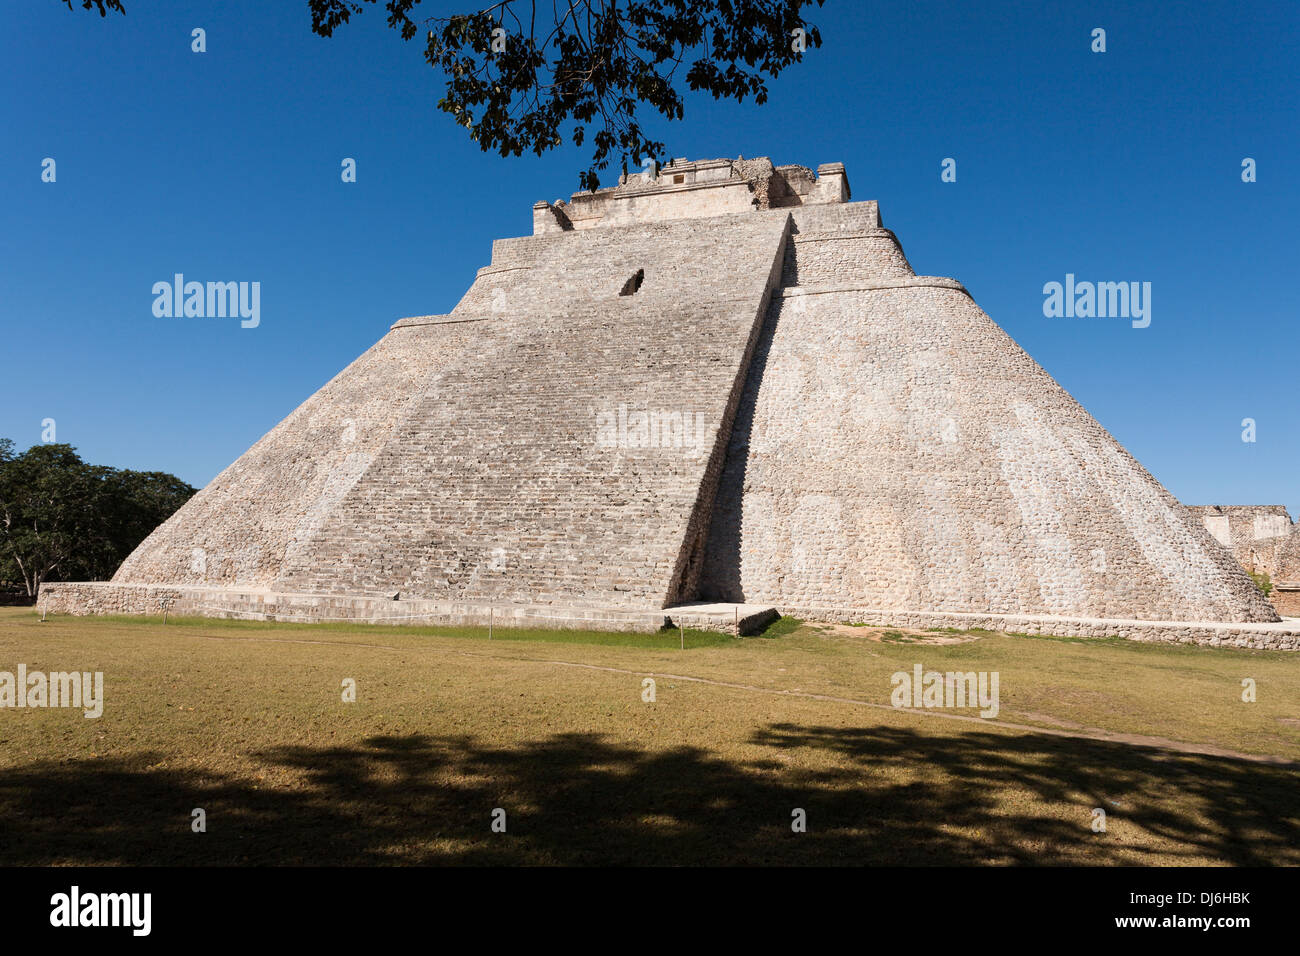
247 722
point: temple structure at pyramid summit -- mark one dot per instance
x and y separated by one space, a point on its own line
704 395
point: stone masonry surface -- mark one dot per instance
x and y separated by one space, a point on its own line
722 382
894 445
1263 539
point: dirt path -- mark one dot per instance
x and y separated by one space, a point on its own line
892 635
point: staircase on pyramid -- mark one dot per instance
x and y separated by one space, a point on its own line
718 384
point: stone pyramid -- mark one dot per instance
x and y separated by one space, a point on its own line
721 382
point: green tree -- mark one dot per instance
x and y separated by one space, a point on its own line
520 76
8 569
64 519
136 503
43 513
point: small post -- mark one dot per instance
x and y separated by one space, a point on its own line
681 632
42 615
492 613
737 610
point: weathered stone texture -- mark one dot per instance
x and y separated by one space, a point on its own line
1274 636
266 506
688 190
486 481
895 449
1263 539
840 257
83 598
861 437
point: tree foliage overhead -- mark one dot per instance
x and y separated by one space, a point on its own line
64 519
522 74
103 6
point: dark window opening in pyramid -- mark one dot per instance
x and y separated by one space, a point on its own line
634 283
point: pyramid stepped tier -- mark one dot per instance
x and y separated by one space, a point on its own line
719 383
896 450
272 502
496 485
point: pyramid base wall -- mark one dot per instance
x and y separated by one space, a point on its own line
1283 636
83 598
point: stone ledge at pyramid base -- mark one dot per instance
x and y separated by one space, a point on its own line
96 598
80 599
1281 635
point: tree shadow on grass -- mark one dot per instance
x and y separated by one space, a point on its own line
873 795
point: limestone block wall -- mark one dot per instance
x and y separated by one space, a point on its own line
460 455
86 598
542 275
699 189
600 259
1261 537
766 406
681 190
832 218
1286 599
496 486
240 529
705 200
822 257
896 450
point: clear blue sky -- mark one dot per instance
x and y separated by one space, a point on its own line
225 166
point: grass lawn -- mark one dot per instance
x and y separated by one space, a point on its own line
247 722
